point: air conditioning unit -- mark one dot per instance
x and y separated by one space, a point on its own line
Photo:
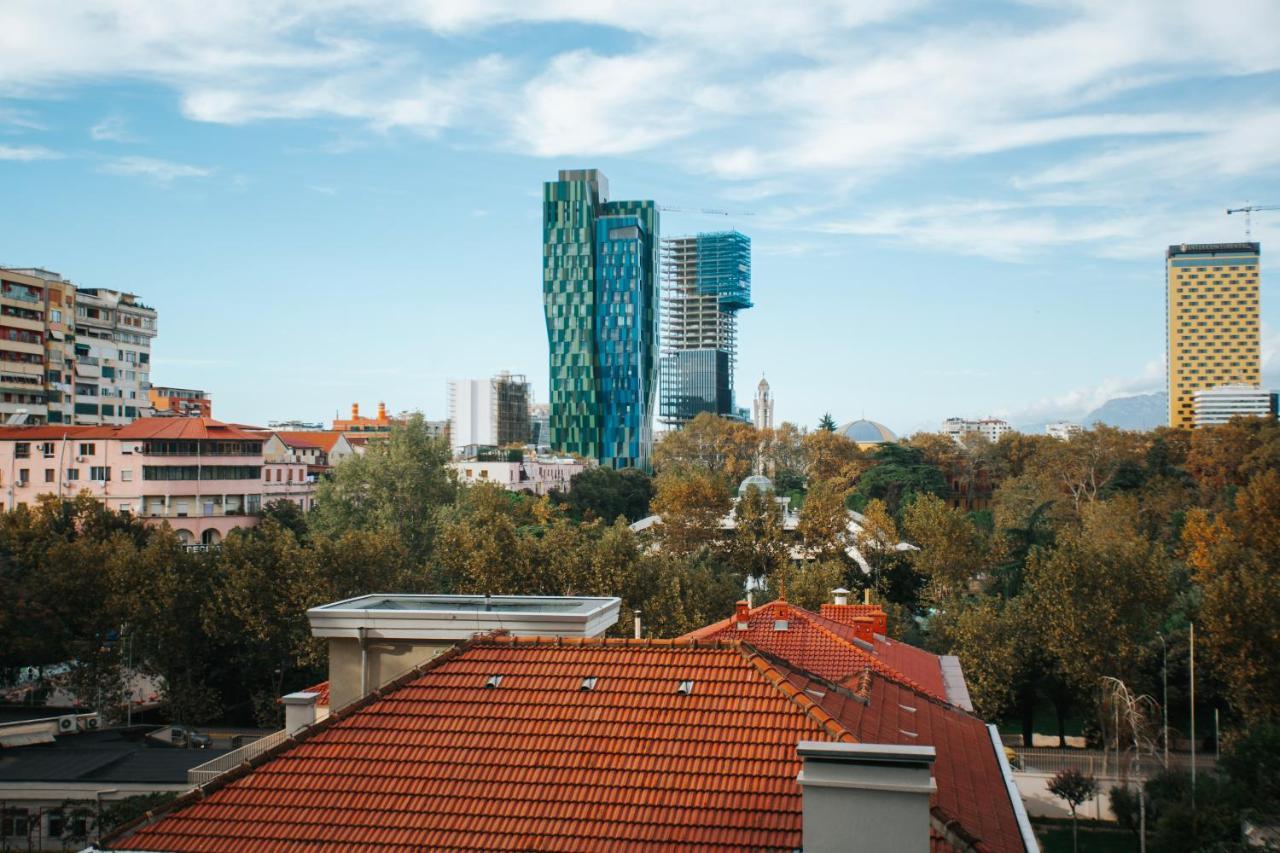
82 459
89 722
67 724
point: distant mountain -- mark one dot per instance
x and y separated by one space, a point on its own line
1141 412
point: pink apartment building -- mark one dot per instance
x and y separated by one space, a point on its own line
202 477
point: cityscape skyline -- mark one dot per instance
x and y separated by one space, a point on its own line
258 232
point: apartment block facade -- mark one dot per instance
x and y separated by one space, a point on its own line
1217 405
202 477
168 402
113 357
37 356
706 281
600 297
1214 321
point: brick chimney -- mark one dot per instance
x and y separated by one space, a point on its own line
874 796
382 412
355 411
742 615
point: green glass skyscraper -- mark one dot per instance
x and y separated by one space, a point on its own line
600 296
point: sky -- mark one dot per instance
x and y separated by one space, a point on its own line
955 209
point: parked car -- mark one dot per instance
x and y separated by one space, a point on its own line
183 736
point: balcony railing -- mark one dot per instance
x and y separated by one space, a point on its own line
211 770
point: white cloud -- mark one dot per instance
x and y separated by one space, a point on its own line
112 129
27 153
163 171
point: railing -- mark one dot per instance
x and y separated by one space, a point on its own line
1094 762
210 770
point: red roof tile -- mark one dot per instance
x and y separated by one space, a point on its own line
536 763
971 788
819 645
322 439
184 429
323 689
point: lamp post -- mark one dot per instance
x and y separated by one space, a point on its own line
1164 704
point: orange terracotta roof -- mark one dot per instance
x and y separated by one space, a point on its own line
184 429
812 643
971 790
323 689
293 439
920 666
536 763
324 440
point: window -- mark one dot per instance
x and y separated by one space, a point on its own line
46 450
126 475
22 450
13 822
24 476
100 473
49 475
73 474
86 448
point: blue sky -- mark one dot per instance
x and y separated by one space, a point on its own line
335 200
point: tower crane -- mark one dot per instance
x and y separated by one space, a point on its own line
1248 211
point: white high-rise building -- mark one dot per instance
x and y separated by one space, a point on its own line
1220 404
762 408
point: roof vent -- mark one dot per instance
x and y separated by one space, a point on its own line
494 681
780 625
589 683
685 688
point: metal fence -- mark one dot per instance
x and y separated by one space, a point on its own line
1096 762
230 760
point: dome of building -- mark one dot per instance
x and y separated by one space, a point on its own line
867 432
764 484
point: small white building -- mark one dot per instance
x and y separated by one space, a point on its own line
989 428
1213 406
538 475
1062 430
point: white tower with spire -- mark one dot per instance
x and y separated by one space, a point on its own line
762 408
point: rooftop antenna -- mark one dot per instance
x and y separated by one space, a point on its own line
1248 211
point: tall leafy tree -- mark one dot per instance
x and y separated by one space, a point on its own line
398 484
758 545
692 507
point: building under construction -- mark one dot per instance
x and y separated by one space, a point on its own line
489 412
706 281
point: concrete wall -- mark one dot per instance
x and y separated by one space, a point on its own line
387 660
1034 788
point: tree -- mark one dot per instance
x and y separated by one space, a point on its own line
605 493
823 525
950 551
689 591
877 542
709 444
899 475
827 423
1075 788
832 456
398 484
758 545
691 507
1235 558
1099 595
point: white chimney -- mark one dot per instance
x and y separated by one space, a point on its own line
868 795
639 627
840 595
299 711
